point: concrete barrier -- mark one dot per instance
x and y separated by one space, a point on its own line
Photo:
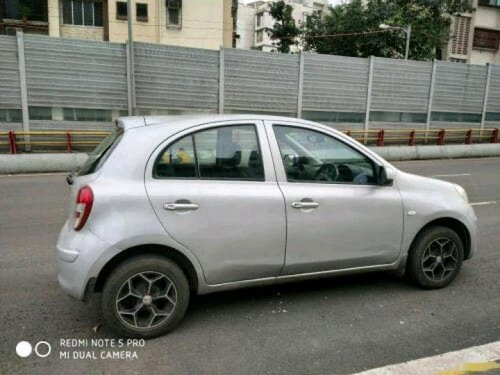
41 163
401 153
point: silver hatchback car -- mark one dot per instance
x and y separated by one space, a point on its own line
169 206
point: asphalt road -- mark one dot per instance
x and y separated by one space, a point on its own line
338 325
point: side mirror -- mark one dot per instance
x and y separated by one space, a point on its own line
385 177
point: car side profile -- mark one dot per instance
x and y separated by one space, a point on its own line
166 207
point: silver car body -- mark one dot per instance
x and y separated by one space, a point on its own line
246 233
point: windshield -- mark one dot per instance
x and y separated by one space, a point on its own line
97 157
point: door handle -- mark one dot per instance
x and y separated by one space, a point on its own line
180 206
305 205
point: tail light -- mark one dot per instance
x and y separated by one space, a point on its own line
84 201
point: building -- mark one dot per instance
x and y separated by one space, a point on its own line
29 16
476 35
254 18
190 23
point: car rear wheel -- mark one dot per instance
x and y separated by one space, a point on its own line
145 297
435 258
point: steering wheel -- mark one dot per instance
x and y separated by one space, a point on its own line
327 172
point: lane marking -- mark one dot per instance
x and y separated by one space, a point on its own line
451 175
483 203
483 356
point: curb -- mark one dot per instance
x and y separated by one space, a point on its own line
44 163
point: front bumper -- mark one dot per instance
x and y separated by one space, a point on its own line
77 253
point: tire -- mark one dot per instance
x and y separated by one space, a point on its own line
152 294
435 258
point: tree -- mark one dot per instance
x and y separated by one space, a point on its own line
430 21
284 29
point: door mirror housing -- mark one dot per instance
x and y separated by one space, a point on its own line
385 176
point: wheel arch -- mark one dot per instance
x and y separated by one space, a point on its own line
149 249
454 224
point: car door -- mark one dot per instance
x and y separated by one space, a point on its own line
338 217
214 190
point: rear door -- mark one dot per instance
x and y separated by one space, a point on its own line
215 192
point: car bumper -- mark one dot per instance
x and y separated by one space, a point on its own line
472 224
77 252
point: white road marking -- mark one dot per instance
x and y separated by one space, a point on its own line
447 362
483 203
451 175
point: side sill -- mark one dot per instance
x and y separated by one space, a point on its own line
206 289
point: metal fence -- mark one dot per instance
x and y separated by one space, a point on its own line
13 142
58 84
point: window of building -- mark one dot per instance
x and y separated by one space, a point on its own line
222 153
85 114
492 3
174 15
121 10
460 37
311 156
142 12
83 12
486 39
259 36
259 16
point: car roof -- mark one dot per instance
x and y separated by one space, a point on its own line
130 122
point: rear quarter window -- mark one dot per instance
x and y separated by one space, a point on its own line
101 153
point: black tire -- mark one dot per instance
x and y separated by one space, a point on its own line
136 268
418 270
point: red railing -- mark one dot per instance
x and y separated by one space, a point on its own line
14 142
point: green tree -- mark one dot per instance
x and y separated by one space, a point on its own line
430 21
284 29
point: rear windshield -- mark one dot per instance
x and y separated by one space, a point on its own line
100 154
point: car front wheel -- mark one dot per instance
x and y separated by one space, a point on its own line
435 257
145 297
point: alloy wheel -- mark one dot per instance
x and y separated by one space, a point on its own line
440 259
146 300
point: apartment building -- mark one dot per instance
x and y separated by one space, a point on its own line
476 35
191 23
254 20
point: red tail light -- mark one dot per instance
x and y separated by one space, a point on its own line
84 200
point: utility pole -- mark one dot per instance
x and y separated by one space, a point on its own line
406 30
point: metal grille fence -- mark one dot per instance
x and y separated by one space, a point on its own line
67 84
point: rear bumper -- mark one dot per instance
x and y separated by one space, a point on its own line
77 252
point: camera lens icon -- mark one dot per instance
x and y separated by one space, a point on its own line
24 349
42 349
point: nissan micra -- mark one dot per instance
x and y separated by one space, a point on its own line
166 207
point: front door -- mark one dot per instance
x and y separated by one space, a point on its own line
338 217
215 192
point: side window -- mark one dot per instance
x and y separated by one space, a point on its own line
228 152
311 156
177 160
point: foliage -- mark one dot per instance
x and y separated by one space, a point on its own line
284 29
430 21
